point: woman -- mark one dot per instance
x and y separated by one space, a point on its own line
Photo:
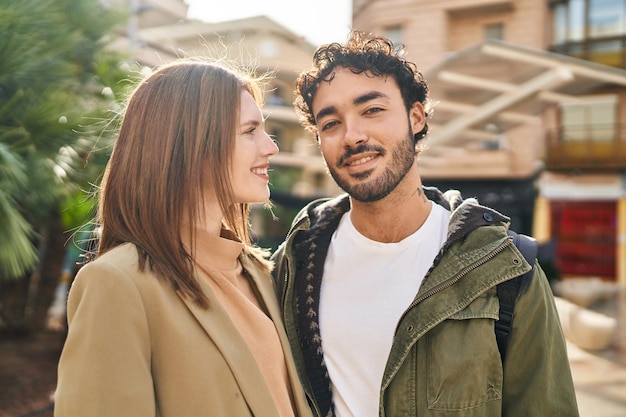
177 316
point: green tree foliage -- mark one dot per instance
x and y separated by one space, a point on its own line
56 83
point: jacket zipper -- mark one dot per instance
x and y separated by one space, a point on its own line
456 278
283 292
285 263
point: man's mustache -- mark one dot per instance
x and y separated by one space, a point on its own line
362 148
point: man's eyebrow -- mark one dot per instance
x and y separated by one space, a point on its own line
325 112
367 97
364 98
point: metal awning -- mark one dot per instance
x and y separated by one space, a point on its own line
488 89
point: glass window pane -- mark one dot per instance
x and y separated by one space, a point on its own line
394 33
603 121
606 18
494 31
576 20
572 117
593 119
560 23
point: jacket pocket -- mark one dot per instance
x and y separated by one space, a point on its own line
462 360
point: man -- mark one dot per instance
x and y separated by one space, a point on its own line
389 292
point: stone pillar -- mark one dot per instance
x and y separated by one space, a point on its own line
542 223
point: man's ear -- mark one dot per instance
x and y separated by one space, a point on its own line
417 117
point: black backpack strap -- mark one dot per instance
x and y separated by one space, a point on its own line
509 290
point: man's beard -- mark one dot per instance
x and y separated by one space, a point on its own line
403 157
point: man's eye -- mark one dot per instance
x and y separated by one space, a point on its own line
374 110
328 125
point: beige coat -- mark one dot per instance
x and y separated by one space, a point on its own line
137 348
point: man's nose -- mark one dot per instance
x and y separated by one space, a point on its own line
354 134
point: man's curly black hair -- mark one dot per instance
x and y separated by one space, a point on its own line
375 55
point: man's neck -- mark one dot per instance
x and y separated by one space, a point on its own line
392 218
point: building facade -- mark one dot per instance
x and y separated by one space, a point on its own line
529 102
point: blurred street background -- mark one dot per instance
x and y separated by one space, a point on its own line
529 122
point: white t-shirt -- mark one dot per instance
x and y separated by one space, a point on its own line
367 286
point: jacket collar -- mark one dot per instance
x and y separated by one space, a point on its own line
466 214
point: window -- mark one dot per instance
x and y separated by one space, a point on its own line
593 119
576 20
594 30
606 18
560 24
494 31
394 33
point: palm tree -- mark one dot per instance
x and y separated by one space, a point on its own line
54 69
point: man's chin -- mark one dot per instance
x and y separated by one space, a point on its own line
365 193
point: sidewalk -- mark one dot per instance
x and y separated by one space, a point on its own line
600 376
600 383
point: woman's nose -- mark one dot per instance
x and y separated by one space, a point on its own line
270 146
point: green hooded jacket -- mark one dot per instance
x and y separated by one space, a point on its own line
444 360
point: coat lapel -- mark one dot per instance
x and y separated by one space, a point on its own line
220 328
267 292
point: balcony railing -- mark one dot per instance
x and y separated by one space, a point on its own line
588 147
